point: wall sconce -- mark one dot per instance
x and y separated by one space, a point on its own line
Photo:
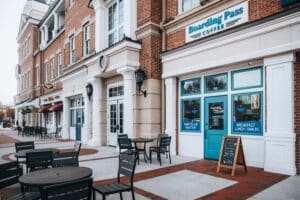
89 90
140 76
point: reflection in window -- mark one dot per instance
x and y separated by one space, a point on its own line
191 86
247 113
190 116
216 116
216 83
116 91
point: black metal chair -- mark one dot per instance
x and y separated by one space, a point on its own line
38 160
9 175
65 159
122 136
75 190
127 165
20 146
162 148
77 148
126 147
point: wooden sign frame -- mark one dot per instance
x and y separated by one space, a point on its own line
239 157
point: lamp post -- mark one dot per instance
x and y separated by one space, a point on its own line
140 76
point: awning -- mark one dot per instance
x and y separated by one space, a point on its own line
56 107
44 109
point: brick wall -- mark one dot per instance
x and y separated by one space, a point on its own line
257 9
150 58
149 10
297 110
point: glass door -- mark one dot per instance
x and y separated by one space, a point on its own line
115 123
216 125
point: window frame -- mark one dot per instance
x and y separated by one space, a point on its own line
181 7
212 75
86 39
59 63
261 103
118 25
72 48
73 109
182 113
46 72
244 70
37 75
52 69
191 79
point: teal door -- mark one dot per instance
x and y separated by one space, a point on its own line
216 125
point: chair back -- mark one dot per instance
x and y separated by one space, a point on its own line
75 190
39 160
24 146
127 165
65 159
9 174
125 144
164 143
123 136
77 147
160 135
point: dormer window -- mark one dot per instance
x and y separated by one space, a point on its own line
115 22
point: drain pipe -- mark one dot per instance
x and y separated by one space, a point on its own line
163 98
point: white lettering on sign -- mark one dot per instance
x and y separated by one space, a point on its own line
223 20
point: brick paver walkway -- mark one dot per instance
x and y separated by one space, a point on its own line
4 139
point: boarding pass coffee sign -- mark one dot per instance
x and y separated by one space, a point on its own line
226 19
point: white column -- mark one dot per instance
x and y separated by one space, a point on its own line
129 82
42 36
56 24
66 119
45 34
97 130
280 134
86 137
101 40
53 121
130 18
171 111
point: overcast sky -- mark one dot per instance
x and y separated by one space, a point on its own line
10 12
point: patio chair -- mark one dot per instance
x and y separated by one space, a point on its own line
162 148
75 190
126 147
20 146
127 165
122 136
38 160
65 159
77 148
9 175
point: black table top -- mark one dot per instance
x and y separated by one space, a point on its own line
22 154
142 140
52 176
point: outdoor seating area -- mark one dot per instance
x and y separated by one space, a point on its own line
39 132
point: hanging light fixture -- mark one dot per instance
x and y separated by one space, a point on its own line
89 90
140 76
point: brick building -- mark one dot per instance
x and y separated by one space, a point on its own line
213 68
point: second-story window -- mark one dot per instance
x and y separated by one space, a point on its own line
37 76
86 40
52 69
59 62
189 4
46 72
115 22
72 49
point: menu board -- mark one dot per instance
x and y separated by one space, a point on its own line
232 153
229 149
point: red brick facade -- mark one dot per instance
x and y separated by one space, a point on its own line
297 110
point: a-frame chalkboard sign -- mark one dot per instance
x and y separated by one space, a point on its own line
232 154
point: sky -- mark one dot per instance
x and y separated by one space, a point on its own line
10 13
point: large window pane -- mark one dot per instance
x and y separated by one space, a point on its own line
190 115
192 86
248 78
216 83
247 113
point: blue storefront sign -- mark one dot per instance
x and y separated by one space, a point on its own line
288 2
190 125
223 20
247 127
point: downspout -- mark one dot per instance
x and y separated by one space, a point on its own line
163 98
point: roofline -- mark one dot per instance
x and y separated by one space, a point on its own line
51 8
232 30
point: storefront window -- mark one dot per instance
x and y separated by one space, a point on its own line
249 78
190 115
247 113
190 87
77 111
216 83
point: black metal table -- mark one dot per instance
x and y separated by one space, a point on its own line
143 141
22 154
51 176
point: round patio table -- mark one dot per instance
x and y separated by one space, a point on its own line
51 176
22 153
144 141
